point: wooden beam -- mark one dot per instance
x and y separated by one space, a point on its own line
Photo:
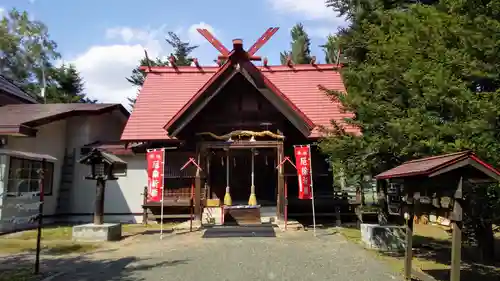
216 43
313 60
262 40
409 236
265 62
252 58
456 240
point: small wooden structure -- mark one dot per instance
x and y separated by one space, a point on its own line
439 181
102 166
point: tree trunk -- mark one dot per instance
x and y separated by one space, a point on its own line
99 202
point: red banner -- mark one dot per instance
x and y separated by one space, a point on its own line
155 160
304 171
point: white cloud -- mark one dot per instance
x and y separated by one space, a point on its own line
105 67
308 9
195 37
2 11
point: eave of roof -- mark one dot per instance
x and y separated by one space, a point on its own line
15 119
10 88
430 165
299 83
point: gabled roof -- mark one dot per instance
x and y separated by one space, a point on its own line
167 90
260 82
12 89
431 166
20 119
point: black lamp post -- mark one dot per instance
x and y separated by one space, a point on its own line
102 166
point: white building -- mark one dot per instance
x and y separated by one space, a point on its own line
30 131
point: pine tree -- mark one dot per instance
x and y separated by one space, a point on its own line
421 80
332 50
300 52
67 86
181 53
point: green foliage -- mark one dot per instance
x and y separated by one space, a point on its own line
332 50
25 49
422 79
27 54
300 52
416 90
181 53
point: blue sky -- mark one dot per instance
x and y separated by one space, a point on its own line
106 38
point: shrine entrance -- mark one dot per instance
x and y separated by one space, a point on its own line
243 177
239 164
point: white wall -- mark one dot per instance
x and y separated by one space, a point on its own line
51 140
122 199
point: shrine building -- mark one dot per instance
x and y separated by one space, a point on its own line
238 120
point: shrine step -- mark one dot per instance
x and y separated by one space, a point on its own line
239 231
242 215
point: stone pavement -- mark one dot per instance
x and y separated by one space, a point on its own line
294 255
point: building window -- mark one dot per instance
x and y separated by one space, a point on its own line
24 176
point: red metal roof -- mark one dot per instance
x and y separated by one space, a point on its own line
428 165
167 90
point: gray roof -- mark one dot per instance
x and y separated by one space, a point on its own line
9 87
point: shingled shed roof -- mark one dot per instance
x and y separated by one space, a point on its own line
166 91
22 118
433 165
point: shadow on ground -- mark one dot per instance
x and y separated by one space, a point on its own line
81 268
438 255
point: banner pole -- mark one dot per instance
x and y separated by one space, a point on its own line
162 193
312 190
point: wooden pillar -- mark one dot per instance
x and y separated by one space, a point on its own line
409 235
208 190
144 208
456 242
99 202
198 184
281 182
383 212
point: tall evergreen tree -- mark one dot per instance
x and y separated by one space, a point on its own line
421 80
181 52
67 86
332 50
300 46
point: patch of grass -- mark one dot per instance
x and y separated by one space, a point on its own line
351 234
55 240
134 229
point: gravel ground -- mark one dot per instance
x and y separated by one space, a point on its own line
296 255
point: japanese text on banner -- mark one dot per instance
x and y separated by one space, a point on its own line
304 172
155 160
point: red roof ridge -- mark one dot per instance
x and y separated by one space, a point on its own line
460 153
269 68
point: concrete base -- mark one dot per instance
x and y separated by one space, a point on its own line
97 233
383 237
